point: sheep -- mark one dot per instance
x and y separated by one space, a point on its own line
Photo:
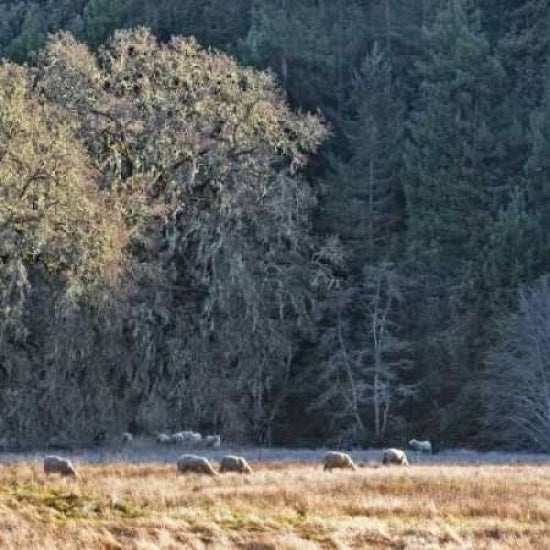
238 464
177 438
395 456
163 438
421 446
186 437
127 438
212 441
185 434
194 463
195 437
336 459
57 465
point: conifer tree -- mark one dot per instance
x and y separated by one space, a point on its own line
101 19
454 188
362 195
313 47
525 50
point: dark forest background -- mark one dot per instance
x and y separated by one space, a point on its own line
325 221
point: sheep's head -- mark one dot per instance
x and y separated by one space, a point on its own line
69 471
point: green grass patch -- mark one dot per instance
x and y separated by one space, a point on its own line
67 504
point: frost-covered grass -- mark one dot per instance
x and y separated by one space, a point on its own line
282 505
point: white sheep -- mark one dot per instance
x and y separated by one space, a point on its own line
238 464
195 437
212 441
163 438
127 438
57 465
186 437
395 456
420 446
196 464
336 459
177 438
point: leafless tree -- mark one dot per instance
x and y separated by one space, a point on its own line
367 359
517 395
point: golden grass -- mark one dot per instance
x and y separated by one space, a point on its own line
279 507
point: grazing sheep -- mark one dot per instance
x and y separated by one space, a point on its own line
177 438
127 438
57 465
212 441
163 438
195 437
395 456
196 464
186 437
238 464
336 459
421 446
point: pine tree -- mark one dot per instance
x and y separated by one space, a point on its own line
11 19
537 178
494 17
101 19
313 46
525 50
397 26
362 195
454 189
31 36
452 176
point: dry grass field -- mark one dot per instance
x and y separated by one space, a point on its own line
279 507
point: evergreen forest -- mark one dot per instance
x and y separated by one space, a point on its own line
301 223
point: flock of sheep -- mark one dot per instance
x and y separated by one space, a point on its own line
229 463
188 438
336 459
186 463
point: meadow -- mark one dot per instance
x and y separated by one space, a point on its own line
281 506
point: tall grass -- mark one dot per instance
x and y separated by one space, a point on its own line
278 507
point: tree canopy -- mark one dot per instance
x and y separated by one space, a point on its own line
291 222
